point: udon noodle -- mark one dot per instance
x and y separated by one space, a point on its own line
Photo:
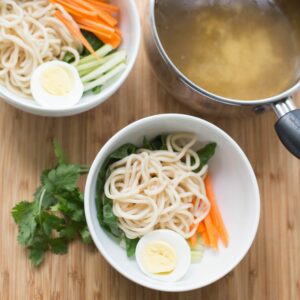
159 189
29 36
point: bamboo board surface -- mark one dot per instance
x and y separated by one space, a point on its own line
271 270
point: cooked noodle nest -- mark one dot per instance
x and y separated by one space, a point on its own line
159 189
29 36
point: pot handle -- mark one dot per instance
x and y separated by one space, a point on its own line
288 125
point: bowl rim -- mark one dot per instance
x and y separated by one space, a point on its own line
92 176
32 107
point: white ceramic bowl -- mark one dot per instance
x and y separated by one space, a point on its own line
131 30
236 190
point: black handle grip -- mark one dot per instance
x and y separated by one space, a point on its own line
288 130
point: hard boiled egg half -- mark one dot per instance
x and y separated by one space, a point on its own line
163 255
56 85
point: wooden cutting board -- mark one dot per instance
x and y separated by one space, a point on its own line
271 270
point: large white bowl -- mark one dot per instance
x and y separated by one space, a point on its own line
236 190
131 30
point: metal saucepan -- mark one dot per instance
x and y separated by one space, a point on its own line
288 123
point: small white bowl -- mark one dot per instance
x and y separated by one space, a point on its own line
131 30
236 191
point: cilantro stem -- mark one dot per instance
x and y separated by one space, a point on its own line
84 169
41 202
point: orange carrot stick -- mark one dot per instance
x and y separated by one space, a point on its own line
69 5
95 24
91 29
75 13
211 232
115 41
106 17
75 31
215 212
107 7
201 227
102 14
193 240
205 239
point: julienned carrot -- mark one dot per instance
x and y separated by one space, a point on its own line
115 41
74 12
205 239
67 4
106 17
193 240
95 24
118 31
75 31
95 31
215 212
211 232
95 16
102 14
201 227
105 6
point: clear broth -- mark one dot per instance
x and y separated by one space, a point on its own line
243 50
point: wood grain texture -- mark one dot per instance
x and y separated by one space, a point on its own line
271 270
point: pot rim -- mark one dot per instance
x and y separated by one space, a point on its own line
279 97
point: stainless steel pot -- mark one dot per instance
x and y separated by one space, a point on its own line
288 123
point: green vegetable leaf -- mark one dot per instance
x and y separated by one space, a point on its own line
59 153
205 154
68 232
108 215
123 151
131 246
36 256
85 235
23 211
50 222
47 198
159 143
97 89
59 245
93 41
146 144
104 205
55 216
24 215
64 177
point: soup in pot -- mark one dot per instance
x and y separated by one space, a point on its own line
243 50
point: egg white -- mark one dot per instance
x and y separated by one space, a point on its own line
42 97
177 242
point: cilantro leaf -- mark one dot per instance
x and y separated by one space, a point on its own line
55 216
85 235
59 245
59 153
24 215
36 256
64 177
23 211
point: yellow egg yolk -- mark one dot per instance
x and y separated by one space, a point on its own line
57 81
159 257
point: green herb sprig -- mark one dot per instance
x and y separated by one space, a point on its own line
55 217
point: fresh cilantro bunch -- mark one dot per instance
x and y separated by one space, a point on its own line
55 216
